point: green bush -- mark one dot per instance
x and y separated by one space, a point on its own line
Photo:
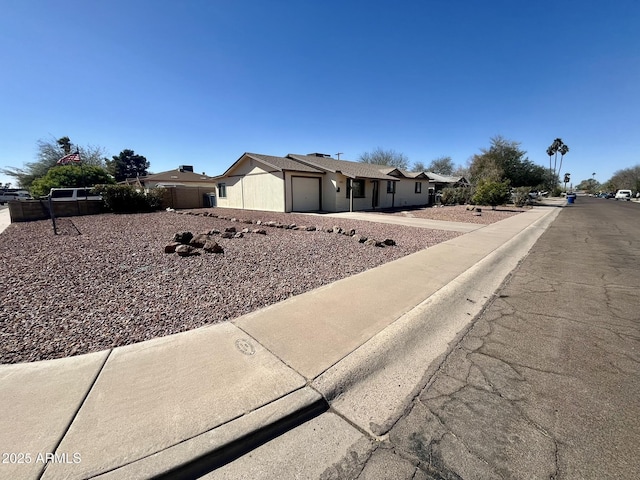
127 199
72 176
456 196
489 192
521 196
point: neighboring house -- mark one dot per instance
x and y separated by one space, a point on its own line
443 181
316 182
183 176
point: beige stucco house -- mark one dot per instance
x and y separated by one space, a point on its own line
317 182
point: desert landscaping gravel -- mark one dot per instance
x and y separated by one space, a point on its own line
104 281
459 213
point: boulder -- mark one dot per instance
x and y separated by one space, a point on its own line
361 239
183 237
230 229
186 250
238 235
245 230
389 242
336 229
212 247
199 240
171 247
310 229
227 235
260 231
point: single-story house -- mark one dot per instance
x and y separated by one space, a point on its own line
317 182
183 176
443 181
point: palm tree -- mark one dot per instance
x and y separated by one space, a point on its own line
550 152
65 144
564 149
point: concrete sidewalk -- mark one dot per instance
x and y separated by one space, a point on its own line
5 218
194 401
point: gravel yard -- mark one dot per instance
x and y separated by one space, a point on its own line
459 213
105 280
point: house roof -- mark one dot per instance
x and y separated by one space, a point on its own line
347 168
277 163
283 163
397 172
177 175
445 178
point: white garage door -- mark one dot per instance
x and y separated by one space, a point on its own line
305 193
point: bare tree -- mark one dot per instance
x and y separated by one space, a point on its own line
389 158
441 165
418 167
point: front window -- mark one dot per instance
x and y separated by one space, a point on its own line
358 188
222 190
391 186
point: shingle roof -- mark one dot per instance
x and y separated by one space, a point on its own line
177 175
347 168
444 178
282 163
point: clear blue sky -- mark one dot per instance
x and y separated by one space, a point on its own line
201 82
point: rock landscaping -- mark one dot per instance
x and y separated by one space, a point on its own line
111 280
185 244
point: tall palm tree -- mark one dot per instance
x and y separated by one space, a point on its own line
564 149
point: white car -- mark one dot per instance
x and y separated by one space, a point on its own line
72 194
623 195
15 195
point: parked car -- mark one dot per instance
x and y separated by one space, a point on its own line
623 195
16 195
72 194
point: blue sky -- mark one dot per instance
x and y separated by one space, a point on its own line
200 82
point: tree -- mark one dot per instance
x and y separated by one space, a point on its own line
504 160
441 165
389 158
127 165
75 176
590 185
49 152
65 144
558 146
627 178
418 167
490 192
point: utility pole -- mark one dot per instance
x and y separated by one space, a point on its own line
338 155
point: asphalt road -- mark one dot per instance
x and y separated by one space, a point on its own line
546 382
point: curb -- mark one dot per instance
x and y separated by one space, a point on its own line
210 450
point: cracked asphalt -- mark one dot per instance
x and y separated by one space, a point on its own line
546 381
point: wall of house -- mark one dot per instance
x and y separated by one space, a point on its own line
405 193
251 187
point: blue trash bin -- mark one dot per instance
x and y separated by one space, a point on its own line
571 198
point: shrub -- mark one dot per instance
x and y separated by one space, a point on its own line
489 192
127 199
520 196
456 196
